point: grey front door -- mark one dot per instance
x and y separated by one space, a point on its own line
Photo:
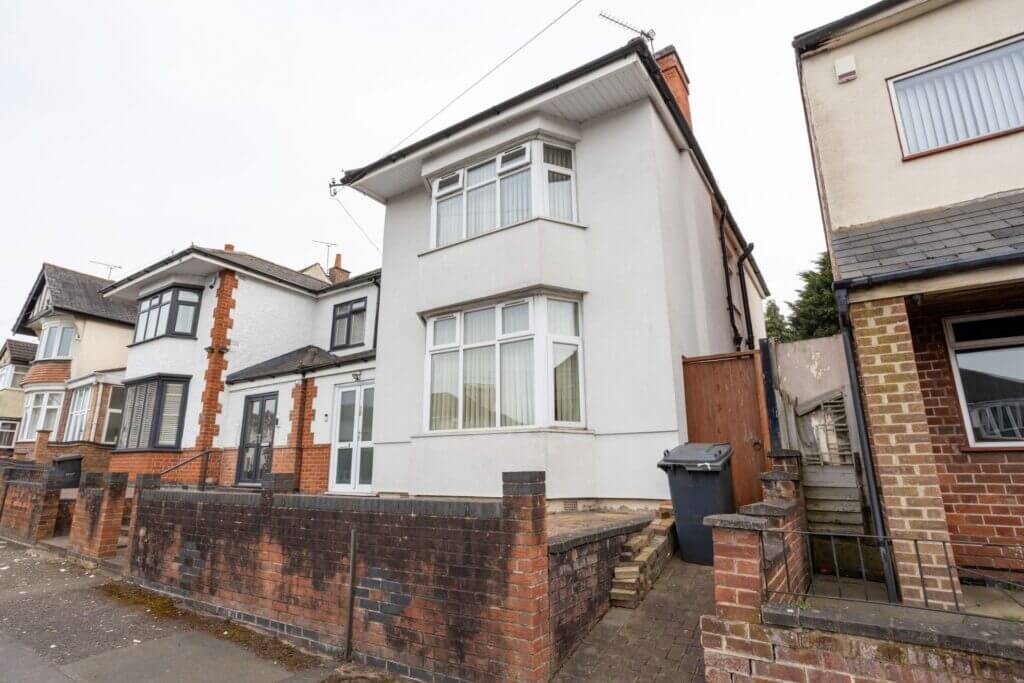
257 443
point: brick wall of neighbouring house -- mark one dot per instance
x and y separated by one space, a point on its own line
983 490
445 589
579 590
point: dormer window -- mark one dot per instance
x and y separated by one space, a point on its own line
504 190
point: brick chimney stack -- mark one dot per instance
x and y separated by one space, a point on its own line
337 273
675 76
229 247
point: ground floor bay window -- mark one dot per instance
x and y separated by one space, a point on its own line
154 413
507 365
41 411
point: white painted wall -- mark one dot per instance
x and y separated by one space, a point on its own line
863 175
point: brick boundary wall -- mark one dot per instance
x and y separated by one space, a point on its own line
29 502
901 446
99 512
446 590
983 491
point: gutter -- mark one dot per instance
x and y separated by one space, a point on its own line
867 459
808 40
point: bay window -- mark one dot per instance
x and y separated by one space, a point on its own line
503 190
153 414
41 411
486 367
55 341
11 375
172 312
987 356
74 430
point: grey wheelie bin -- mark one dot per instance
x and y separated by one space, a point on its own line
700 479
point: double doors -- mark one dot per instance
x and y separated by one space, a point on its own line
352 447
257 443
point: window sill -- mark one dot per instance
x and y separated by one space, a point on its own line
164 449
505 430
1015 447
61 359
962 143
162 336
503 228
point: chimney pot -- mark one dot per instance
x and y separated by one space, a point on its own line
675 76
229 247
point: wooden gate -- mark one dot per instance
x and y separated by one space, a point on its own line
725 402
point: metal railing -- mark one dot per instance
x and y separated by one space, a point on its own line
205 455
960 576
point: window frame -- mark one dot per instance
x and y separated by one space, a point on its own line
172 313
77 417
152 441
111 409
335 316
34 425
894 105
952 346
11 375
576 341
532 162
47 332
11 427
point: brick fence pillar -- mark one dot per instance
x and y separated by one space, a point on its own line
524 509
902 449
41 448
99 512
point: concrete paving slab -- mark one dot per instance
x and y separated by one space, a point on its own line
19 664
192 657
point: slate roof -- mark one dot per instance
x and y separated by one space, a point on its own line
77 292
961 234
304 359
21 351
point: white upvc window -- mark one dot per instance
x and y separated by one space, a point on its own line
8 430
55 341
41 412
78 410
987 356
505 366
11 375
115 413
970 97
535 178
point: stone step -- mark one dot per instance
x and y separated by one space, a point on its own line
629 571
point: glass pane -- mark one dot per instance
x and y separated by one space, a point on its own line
140 326
444 331
478 326
481 210
557 156
444 390
49 418
366 430
129 404
343 470
515 318
252 423
341 331
66 334
269 423
449 220
366 466
993 384
164 312
480 174
51 341
358 328
478 388
993 328
567 383
513 156
515 197
188 295
347 416
265 453
517 383
151 324
559 196
248 464
183 321
113 426
170 417
563 318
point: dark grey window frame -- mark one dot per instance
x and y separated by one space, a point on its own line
158 409
336 316
172 315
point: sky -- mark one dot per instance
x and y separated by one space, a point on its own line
133 129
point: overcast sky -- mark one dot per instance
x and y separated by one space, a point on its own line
129 130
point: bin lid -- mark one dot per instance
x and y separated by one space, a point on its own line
697 457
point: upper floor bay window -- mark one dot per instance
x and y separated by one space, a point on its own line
154 413
55 342
78 409
972 97
172 312
535 178
987 355
349 324
41 411
11 375
514 364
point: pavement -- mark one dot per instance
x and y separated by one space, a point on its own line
658 641
57 625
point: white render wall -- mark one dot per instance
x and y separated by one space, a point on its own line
649 266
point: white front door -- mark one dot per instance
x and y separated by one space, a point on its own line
352 450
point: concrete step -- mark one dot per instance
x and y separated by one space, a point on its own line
768 508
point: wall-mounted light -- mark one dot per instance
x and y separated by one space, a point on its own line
356 376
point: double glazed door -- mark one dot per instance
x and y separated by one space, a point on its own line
352 452
257 443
